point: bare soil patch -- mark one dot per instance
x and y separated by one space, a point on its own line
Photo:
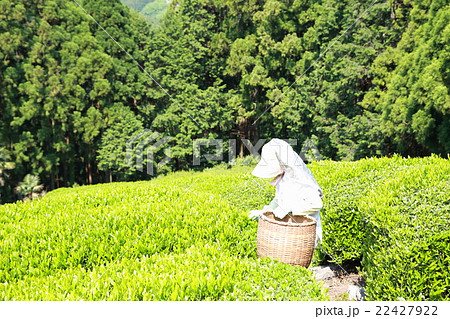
339 280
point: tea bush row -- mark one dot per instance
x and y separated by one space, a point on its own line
390 212
181 237
186 236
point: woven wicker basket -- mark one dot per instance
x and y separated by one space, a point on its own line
289 240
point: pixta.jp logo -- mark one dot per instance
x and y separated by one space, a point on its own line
145 144
150 143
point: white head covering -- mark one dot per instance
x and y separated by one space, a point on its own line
270 166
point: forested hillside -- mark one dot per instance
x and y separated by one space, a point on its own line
137 5
152 10
70 97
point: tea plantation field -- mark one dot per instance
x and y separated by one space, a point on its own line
186 236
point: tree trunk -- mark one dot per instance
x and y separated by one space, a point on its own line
65 181
86 171
52 180
89 172
241 149
64 171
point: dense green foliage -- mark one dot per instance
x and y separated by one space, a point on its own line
186 236
182 237
70 98
412 82
64 83
395 215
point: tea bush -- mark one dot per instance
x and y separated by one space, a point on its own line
407 234
377 210
186 236
199 273
181 237
410 270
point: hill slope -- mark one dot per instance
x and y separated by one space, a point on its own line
152 10
186 236
137 5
